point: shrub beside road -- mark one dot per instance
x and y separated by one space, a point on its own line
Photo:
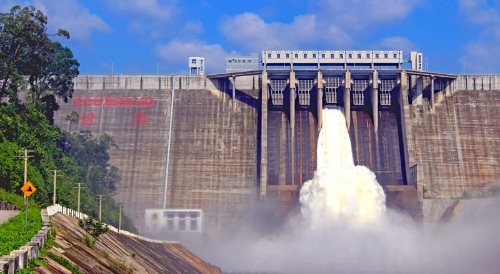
12 235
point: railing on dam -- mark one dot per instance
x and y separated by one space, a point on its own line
476 82
164 82
138 82
52 210
158 82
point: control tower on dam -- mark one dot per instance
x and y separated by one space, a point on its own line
240 145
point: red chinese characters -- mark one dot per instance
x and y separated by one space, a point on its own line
140 118
110 101
87 120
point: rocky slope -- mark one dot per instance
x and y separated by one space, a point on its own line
117 253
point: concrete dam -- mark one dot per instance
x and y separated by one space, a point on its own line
240 145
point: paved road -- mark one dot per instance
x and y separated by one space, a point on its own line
5 215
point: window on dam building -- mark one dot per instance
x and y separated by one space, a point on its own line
170 225
182 222
174 220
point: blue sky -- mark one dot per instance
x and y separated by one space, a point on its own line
146 36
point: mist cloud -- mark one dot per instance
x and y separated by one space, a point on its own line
396 244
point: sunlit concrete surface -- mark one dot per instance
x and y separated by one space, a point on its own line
5 215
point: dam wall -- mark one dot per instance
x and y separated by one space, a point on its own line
235 155
212 143
379 150
455 141
279 152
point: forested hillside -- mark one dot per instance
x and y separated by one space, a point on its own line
34 71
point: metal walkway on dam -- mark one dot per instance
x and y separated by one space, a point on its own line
241 140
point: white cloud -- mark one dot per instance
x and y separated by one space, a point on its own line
479 52
150 9
478 12
398 43
149 19
176 53
249 31
331 24
72 16
478 57
359 14
193 27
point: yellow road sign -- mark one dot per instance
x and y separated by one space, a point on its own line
28 189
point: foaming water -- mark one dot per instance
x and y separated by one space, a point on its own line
340 191
345 228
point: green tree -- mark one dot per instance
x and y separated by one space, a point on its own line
92 154
11 169
72 118
34 72
30 60
25 128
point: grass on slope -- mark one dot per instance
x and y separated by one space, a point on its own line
12 235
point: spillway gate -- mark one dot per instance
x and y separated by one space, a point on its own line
372 101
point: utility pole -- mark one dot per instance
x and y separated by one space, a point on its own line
79 188
100 205
25 181
120 219
140 217
25 163
55 186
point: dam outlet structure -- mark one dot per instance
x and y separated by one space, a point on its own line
242 144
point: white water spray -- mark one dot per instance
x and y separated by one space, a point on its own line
342 197
340 191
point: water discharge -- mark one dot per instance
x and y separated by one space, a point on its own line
340 191
345 228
